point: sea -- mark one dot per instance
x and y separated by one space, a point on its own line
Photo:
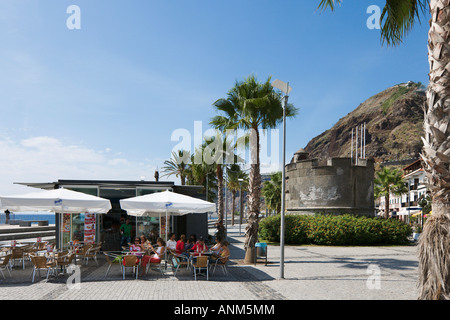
27 216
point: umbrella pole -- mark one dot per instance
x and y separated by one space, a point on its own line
166 225
165 251
61 219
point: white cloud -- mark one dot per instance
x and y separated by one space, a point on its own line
47 159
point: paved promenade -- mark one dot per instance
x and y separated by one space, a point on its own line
311 273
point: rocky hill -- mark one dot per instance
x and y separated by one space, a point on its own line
394 120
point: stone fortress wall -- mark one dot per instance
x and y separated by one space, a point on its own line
338 187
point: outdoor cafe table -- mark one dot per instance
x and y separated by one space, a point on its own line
9 248
48 254
195 254
139 254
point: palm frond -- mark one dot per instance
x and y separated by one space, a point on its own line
324 4
398 18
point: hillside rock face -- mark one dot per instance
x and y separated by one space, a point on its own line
394 125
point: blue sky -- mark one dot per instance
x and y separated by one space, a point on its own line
102 102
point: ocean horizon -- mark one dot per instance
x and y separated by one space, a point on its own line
28 216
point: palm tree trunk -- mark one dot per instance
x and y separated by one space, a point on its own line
233 204
434 243
220 204
386 205
254 201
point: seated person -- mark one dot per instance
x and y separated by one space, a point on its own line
188 246
216 248
225 251
171 243
180 247
156 256
136 248
200 246
144 243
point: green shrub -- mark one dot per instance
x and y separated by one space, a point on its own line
337 230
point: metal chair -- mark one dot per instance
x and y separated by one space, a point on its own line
112 259
161 265
130 261
179 260
4 265
91 253
39 263
64 260
200 263
221 262
18 254
80 252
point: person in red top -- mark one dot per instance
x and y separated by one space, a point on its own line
179 249
200 246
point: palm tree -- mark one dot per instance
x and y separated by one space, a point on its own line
234 174
202 174
272 192
217 149
387 182
398 17
251 105
177 166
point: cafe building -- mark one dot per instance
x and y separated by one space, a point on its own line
106 227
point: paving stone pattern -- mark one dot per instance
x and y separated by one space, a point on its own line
311 272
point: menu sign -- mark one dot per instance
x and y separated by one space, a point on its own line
66 222
89 228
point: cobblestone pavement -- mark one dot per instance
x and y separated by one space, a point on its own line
310 273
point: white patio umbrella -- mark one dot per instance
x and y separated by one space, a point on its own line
170 203
57 200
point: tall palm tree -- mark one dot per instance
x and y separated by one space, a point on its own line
272 192
177 166
387 182
251 105
398 17
234 174
218 149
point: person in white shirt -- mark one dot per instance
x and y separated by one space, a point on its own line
172 243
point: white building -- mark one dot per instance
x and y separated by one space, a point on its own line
407 204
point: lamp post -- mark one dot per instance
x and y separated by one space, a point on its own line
285 88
